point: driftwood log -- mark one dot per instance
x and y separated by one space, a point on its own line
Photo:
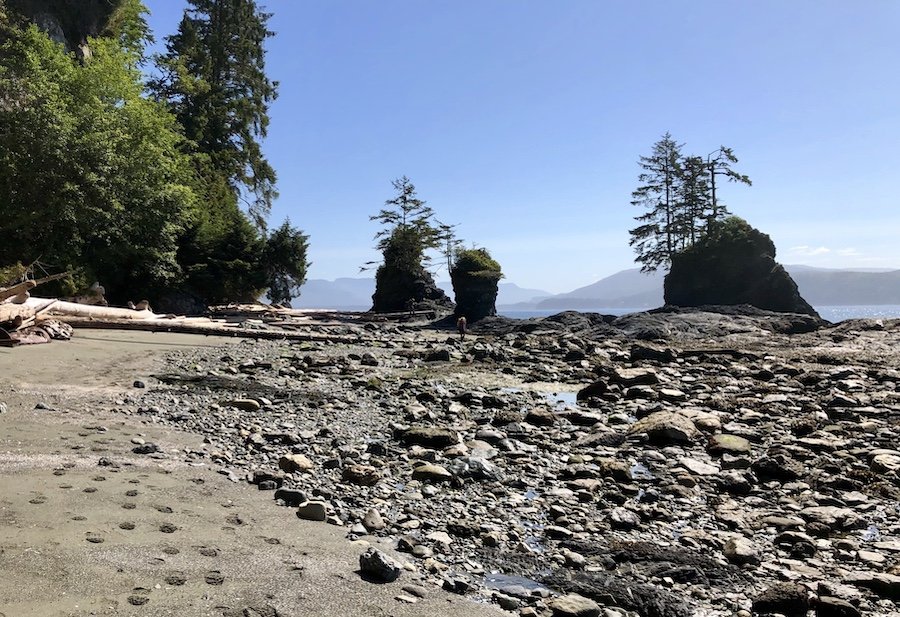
15 313
208 329
17 289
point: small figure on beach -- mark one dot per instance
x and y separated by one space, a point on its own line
461 327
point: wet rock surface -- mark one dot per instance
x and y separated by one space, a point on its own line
729 461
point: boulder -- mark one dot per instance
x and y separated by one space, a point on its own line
730 444
634 376
429 437
733 264
430 472
360 475
788 599
312 511
597 388
294 463
573 605
885 585
244 404
652 351
664 427
373 521
378 567
740 551
828 606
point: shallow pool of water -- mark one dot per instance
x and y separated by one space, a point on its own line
639 471
497 580
562 400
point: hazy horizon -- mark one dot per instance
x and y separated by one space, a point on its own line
522 121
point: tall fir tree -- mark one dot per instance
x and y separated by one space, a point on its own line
693 201
655 238
213 78
285 262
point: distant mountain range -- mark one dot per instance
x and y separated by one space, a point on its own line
627 289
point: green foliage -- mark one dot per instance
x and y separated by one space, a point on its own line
91 176
221 256
737 235
654 239
733 263
401 281
447 242
285 262
403 250
128 25
476 262
214 80
679 198
97 179
10 275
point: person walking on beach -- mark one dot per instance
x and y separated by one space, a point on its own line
461 327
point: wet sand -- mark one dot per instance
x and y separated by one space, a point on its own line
88 527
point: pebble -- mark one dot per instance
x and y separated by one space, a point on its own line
373 521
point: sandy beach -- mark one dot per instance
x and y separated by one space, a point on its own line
88 527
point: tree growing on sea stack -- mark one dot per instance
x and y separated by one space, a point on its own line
679 200
402 281
475 276
732 264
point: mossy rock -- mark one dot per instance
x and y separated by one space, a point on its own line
475 276
733 264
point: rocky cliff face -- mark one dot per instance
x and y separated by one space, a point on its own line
400 290
69 22
476 296
734 264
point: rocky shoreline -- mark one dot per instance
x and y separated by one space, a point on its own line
664 464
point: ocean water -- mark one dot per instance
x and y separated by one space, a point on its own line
830 313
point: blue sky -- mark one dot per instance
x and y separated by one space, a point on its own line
523 120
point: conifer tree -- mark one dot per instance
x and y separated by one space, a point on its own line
406 211
213 78
285 262
655 240
693 200
719 164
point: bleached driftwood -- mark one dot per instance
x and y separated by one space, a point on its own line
90 311
15 313
108 318
207 328
17 289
